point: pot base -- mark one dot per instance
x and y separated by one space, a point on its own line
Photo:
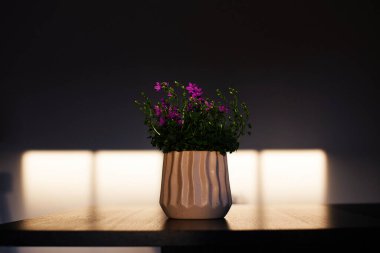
195 212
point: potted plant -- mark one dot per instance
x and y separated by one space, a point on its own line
195 133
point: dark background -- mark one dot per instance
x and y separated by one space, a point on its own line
70 72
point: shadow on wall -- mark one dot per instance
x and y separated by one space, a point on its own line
5 188
353 178
11 199
10 191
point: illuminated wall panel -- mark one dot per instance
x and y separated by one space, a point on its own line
55 180
242 166
293 176
60 180
128 177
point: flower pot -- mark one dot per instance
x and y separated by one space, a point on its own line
195 185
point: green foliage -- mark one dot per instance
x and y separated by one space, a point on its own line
184 120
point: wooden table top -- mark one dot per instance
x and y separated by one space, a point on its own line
244 224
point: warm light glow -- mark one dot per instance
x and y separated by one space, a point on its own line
55 180
293 176
61 180
242 166
128 177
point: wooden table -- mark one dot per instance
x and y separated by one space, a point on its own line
261 228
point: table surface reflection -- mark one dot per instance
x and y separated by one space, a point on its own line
148 226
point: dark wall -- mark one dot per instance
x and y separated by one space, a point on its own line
71 70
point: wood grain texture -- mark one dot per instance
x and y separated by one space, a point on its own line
244 224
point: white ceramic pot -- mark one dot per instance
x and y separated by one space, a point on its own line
195 185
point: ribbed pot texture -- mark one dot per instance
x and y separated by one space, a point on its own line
195 185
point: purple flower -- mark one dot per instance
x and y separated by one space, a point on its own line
223 108
157 86
194 90
189 107
169 94
173 113
163 103
157 110
200 99
209 105
161 121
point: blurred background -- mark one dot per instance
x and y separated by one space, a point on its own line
70 135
